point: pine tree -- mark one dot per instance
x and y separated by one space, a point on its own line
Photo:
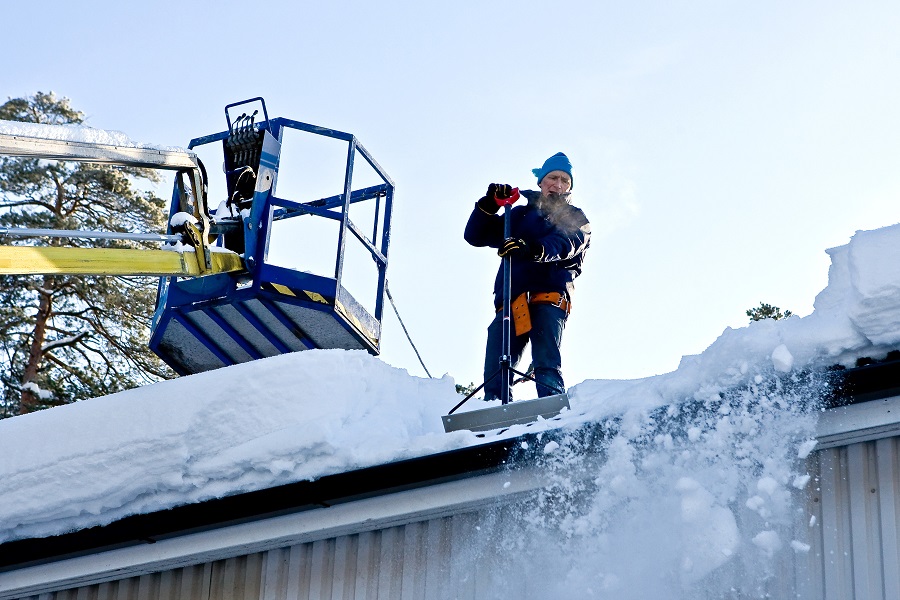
465 390
767 311
66 338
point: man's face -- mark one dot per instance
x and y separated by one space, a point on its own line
555 182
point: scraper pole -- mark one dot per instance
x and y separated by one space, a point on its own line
505 358
506 350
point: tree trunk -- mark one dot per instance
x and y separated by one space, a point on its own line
29 401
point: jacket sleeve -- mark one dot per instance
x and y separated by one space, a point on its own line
484 229
570 237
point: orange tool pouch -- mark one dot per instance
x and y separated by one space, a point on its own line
521 316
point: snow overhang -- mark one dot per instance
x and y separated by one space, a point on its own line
344 490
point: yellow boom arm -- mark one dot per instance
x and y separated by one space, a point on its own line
46 260
201 259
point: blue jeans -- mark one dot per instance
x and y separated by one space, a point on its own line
547 324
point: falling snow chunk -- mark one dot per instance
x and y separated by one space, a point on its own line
782 359
550 447
767 541
799 546
801 481
506 485
755 503
709 532
767 485
805 448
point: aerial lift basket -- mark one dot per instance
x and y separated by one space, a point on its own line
222 319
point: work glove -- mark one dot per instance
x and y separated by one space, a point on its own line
498 194
516 248
499 191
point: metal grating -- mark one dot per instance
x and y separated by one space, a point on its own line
186 351
218 336
246 330
322 327
292 338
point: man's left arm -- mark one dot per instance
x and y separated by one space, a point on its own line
569 238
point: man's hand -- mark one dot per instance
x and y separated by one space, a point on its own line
498 194
499 191
504 194
514 247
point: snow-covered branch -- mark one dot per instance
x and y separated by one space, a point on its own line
68 341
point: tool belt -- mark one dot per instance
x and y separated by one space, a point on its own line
522 316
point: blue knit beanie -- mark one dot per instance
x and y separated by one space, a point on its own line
557 162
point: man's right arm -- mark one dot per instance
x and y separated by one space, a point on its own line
485 226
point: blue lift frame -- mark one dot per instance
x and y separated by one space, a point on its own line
213 321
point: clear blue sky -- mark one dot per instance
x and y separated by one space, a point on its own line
719 147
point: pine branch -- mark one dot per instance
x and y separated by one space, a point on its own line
61 343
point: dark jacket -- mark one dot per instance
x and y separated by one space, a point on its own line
557 233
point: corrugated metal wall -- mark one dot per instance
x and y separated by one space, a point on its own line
426 560
855 551
189 582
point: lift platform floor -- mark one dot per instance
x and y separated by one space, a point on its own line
212 322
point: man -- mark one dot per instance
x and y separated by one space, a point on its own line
547 246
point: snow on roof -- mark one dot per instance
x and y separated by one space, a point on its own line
250 426
77 133
305 415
